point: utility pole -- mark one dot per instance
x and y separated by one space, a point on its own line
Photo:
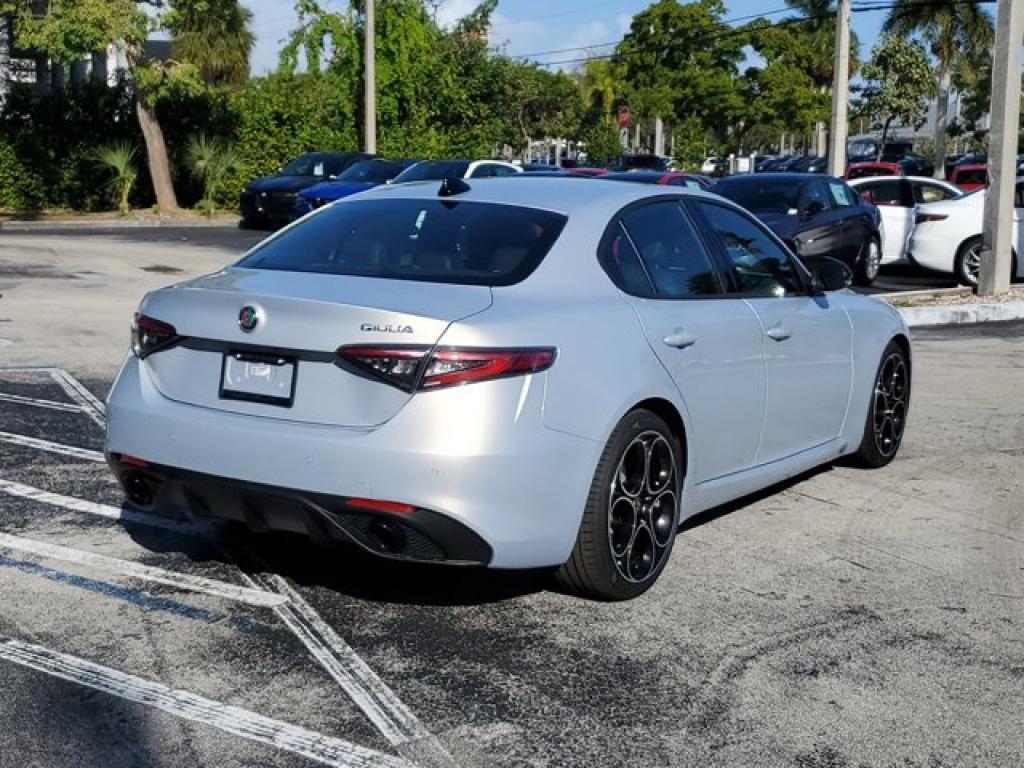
1002 150
840 92
369 83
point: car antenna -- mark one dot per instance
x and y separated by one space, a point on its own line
452 186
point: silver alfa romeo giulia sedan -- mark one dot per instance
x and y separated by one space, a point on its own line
511 373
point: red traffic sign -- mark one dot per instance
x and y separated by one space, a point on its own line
623 117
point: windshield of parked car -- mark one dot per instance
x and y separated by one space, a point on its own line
441 241
972 176
434 169
762 195
375 171
310 165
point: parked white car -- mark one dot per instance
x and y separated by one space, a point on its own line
435 170
897 198
545 372
947 235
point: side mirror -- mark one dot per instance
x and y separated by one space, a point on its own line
828 274
813 208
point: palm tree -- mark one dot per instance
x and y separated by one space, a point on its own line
818 53
949 30
601 82
216 36
212 160
119 159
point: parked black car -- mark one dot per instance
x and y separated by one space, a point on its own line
812 164
640 163
815 215
269 201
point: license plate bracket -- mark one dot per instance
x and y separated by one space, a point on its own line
258 378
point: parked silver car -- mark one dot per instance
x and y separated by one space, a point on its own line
511 373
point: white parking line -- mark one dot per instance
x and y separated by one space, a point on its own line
396 722
393 719
46 445
52 405
135 570
73 504
235 720
77 391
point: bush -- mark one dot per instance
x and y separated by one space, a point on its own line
280 116
20 190
602 140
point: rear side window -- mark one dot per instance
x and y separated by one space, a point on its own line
884 192
436 241
671 251
932 193
760 266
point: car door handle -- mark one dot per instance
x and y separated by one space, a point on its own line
680 339
779 332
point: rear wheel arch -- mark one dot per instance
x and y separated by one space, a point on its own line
667 411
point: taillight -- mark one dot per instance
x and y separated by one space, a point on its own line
150 335
414 368
923 217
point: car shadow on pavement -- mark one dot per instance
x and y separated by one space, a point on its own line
710 515
348 570
345 568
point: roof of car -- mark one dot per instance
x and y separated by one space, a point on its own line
548 192
789 176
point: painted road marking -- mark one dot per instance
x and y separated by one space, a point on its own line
119 514
46 445
235 720
396 722
378 702
53 405
385 710
77 391
135 570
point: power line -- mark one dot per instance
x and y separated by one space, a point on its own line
616 42
867 7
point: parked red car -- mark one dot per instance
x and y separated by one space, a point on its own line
666 178
584 171
872 168
969 176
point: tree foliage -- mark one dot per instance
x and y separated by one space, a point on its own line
898 84
213 35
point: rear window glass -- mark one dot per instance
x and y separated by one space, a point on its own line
434 170
763 195
428 240
973 176
863 173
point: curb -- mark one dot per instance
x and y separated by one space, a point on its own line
64 225
961 314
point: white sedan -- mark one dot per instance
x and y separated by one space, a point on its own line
531 373
947 235
897 198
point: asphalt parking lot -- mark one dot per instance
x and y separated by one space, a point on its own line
848 618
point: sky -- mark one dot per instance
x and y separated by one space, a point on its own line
532 26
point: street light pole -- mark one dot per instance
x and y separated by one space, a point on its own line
994 277
840 92
369 82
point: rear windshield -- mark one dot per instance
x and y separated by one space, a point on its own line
377 171
435 241
434 170
762 194
868 171
973 176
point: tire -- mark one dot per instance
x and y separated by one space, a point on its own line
631 515
967 262
887 412
866 269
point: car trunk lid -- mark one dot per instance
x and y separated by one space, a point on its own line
301 319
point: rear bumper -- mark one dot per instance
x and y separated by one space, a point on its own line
477 455
417 534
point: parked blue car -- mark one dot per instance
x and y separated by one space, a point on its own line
361 176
